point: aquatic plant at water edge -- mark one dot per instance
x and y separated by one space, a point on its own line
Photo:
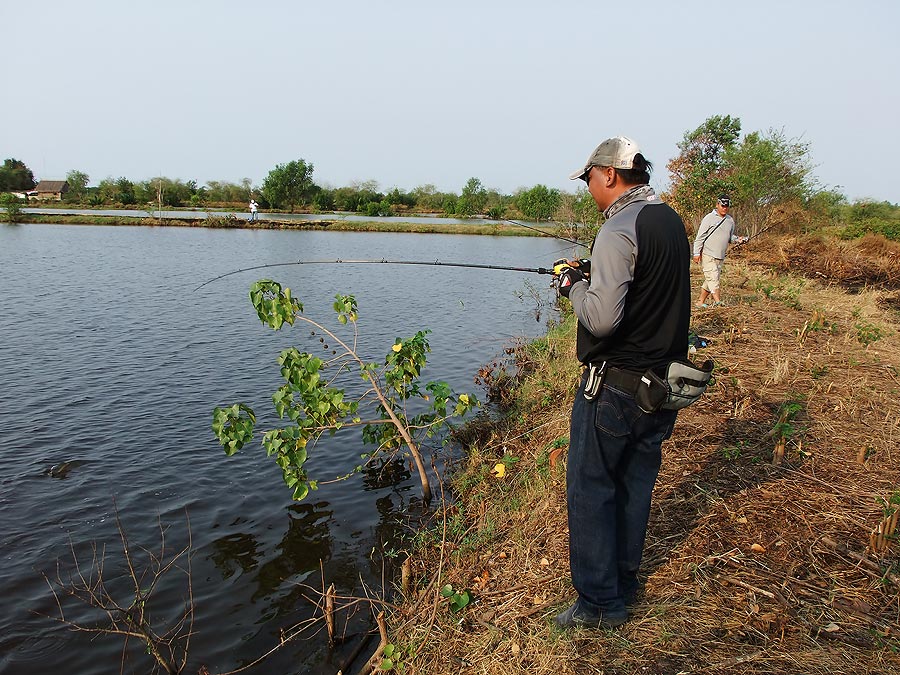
314 406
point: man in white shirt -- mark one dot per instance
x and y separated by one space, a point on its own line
715 233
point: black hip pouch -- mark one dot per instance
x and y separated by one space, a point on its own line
682 385
652 392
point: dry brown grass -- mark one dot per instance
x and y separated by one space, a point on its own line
751 567
872 261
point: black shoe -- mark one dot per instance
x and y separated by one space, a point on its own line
575 617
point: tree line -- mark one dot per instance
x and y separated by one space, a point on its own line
767 175
290 187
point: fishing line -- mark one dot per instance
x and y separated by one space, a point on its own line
566 250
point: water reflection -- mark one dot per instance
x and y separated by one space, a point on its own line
307 541
386 472
238 551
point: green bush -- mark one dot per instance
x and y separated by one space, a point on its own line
888 229
876 217
382 208
12 205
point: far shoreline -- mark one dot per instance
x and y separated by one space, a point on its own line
338 225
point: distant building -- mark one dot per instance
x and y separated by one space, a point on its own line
49 190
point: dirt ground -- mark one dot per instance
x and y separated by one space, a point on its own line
770 547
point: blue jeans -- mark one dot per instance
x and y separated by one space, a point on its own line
614 458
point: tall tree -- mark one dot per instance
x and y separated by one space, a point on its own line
473 198
125 192
14 175
538 203
698 174
767 171
77 181
107 190
578 216
288 184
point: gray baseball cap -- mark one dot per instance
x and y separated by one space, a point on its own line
617 152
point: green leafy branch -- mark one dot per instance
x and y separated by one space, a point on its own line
314 406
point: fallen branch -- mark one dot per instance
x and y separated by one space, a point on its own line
862 560
749 587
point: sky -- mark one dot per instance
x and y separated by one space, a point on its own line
514 93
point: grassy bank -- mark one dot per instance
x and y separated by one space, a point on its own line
437 227
763 553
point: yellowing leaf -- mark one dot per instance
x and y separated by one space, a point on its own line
554 456
397 347
464 398
499 470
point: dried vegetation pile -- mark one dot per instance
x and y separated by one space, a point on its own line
771 546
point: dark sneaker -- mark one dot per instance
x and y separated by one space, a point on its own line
576 617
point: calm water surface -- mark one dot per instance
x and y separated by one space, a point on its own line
112 363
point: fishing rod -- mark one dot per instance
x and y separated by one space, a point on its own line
546 234
535 270
749 239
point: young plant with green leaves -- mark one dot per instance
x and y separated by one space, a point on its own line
458 599
786 425
313 406
394 658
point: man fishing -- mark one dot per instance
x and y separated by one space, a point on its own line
633 315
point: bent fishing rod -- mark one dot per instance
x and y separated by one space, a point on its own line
534 270
546 234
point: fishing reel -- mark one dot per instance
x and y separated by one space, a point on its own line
583 265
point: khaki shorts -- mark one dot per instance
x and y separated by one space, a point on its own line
712 270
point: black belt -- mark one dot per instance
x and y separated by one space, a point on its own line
624 380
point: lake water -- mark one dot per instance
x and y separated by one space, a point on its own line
112 363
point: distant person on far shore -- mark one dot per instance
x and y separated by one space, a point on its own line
254 207
715 233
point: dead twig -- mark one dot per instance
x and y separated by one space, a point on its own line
375 659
